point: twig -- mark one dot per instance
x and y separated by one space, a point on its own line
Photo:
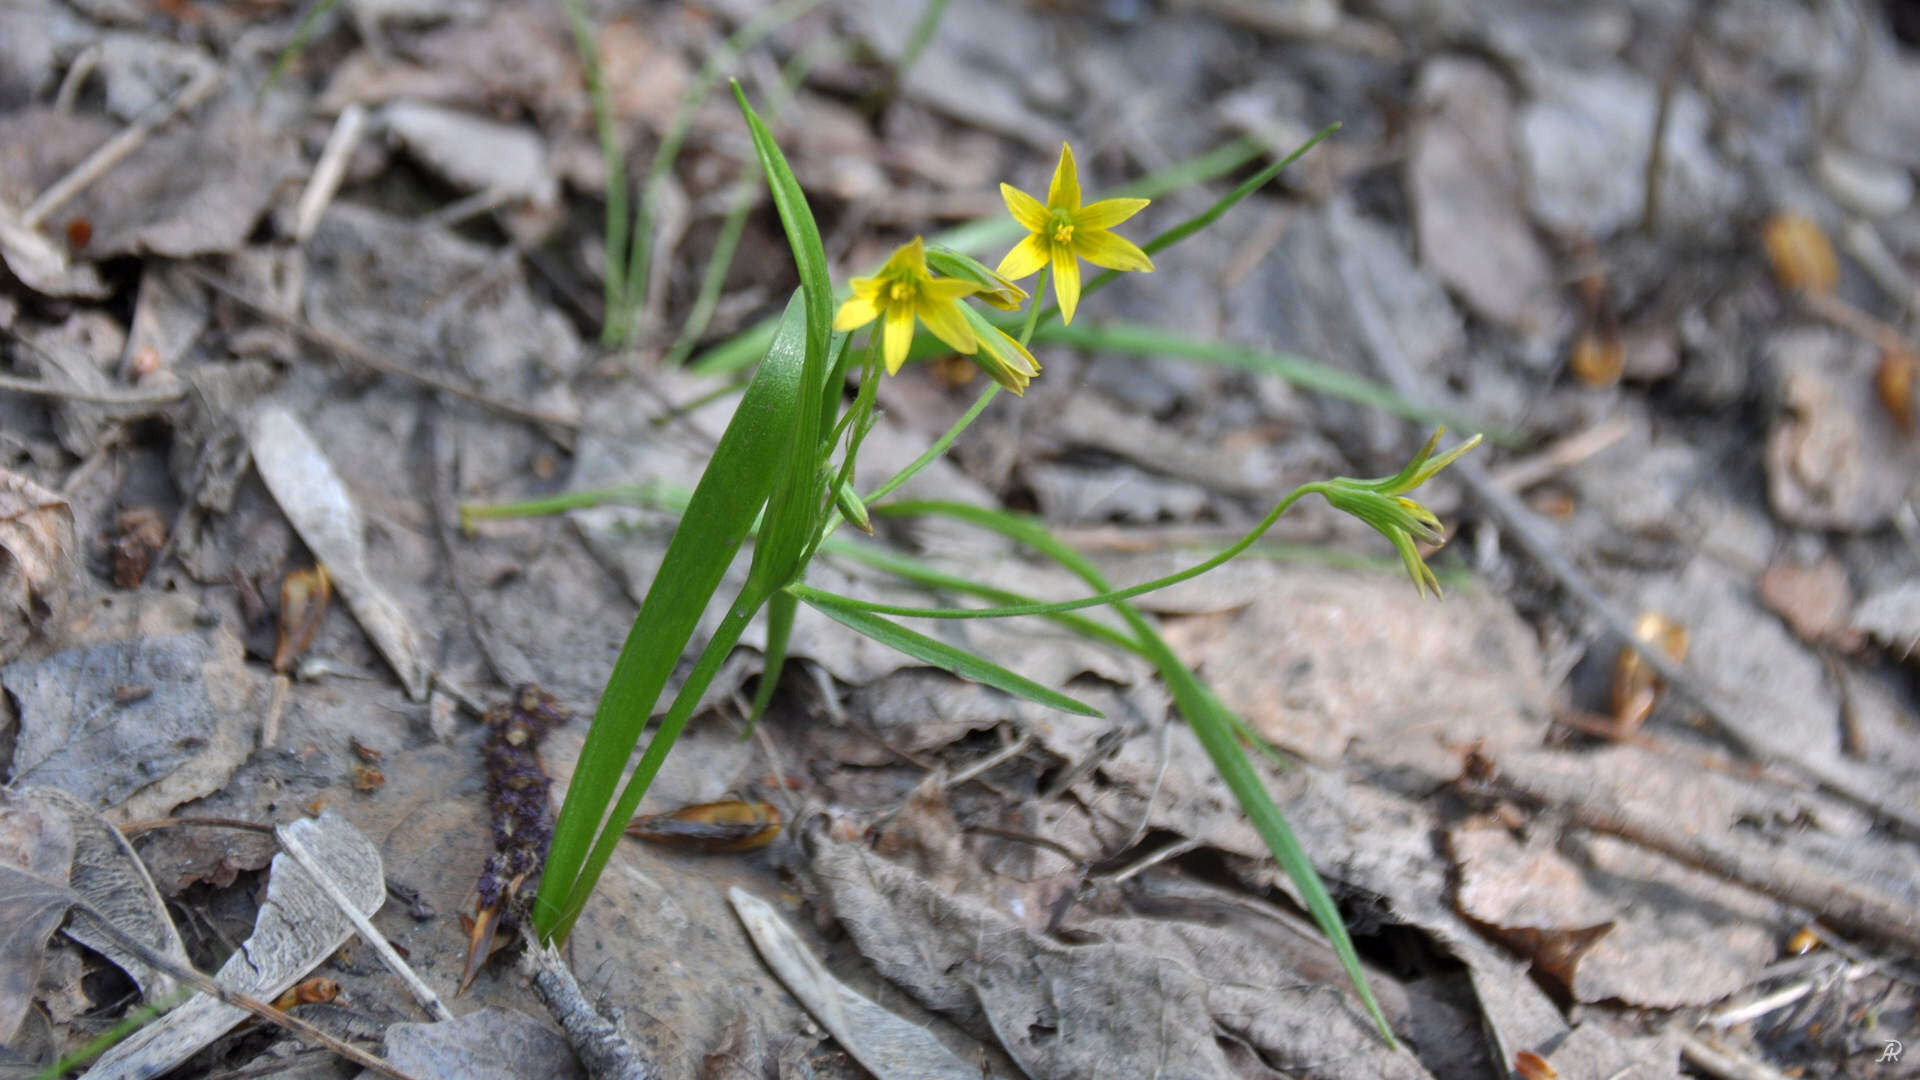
43 388
134 828
155 959
1535 539
1006 753
1523 473
302 854
328 171
1840 904
1735 1015
1850 318
116 150
276 708
1716 1060
602 1048
367 358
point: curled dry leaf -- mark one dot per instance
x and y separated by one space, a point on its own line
1799 253
1635 687
1599 358
304 596
38 555
725 826
1815 600
1894 380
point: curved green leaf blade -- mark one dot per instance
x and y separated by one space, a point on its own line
717 521
944 656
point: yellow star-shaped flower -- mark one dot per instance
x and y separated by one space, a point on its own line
1062 232
902 291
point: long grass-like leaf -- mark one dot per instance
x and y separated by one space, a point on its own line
1212 723
1138 340
944 656
797 506
716 522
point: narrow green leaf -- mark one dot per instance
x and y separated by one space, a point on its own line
1212 723
716 522
942 655
796 508
781 607
1138 340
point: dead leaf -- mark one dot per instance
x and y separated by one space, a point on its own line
1613 920
36 845
1468 207
303 482
488 1044
1053 1007
1815 600
1323 663
197 187
1799 253
1834 458
890 1047
1892 617
38 558
114 882
138 758
297 929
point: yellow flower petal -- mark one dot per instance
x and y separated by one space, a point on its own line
1026 257
910 258
1066 281
1102 248
1064 192
1107 213
944 290
897 337
1026 209
865 286
947 324
855 313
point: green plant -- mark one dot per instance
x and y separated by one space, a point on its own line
792 413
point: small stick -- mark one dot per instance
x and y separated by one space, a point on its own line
1842 905
154 959
1006 753
1735 1015
1716 1060
324 184
134 828
303 855
602 1048
1523 473
1850 318
43 388
276 708
116 150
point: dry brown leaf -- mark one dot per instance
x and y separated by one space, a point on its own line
38 558
1894 381
1800 254
1815 600
36 845
1611 920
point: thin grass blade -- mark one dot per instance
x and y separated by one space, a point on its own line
942 655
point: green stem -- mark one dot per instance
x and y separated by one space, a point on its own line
725 637
900 610
1033 309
